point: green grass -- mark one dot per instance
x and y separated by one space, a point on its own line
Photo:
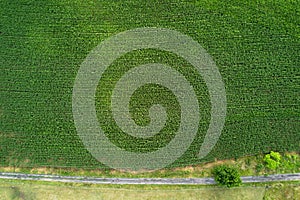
256 47
247 166
13 189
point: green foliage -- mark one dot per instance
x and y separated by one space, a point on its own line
227 176
42 45
290 163
272 160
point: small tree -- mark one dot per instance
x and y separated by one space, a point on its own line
272 160
226 175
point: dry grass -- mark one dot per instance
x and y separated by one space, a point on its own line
246 165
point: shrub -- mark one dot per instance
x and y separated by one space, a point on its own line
227 176
272 160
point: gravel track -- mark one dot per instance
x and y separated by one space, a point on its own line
144 181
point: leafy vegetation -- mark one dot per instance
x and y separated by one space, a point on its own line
42 44
227 176
272 160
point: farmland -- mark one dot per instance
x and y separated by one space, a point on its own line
255 46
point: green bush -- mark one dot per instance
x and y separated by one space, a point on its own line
272 160
227 176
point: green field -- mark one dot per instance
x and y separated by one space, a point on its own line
44 190
256 47
32 190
